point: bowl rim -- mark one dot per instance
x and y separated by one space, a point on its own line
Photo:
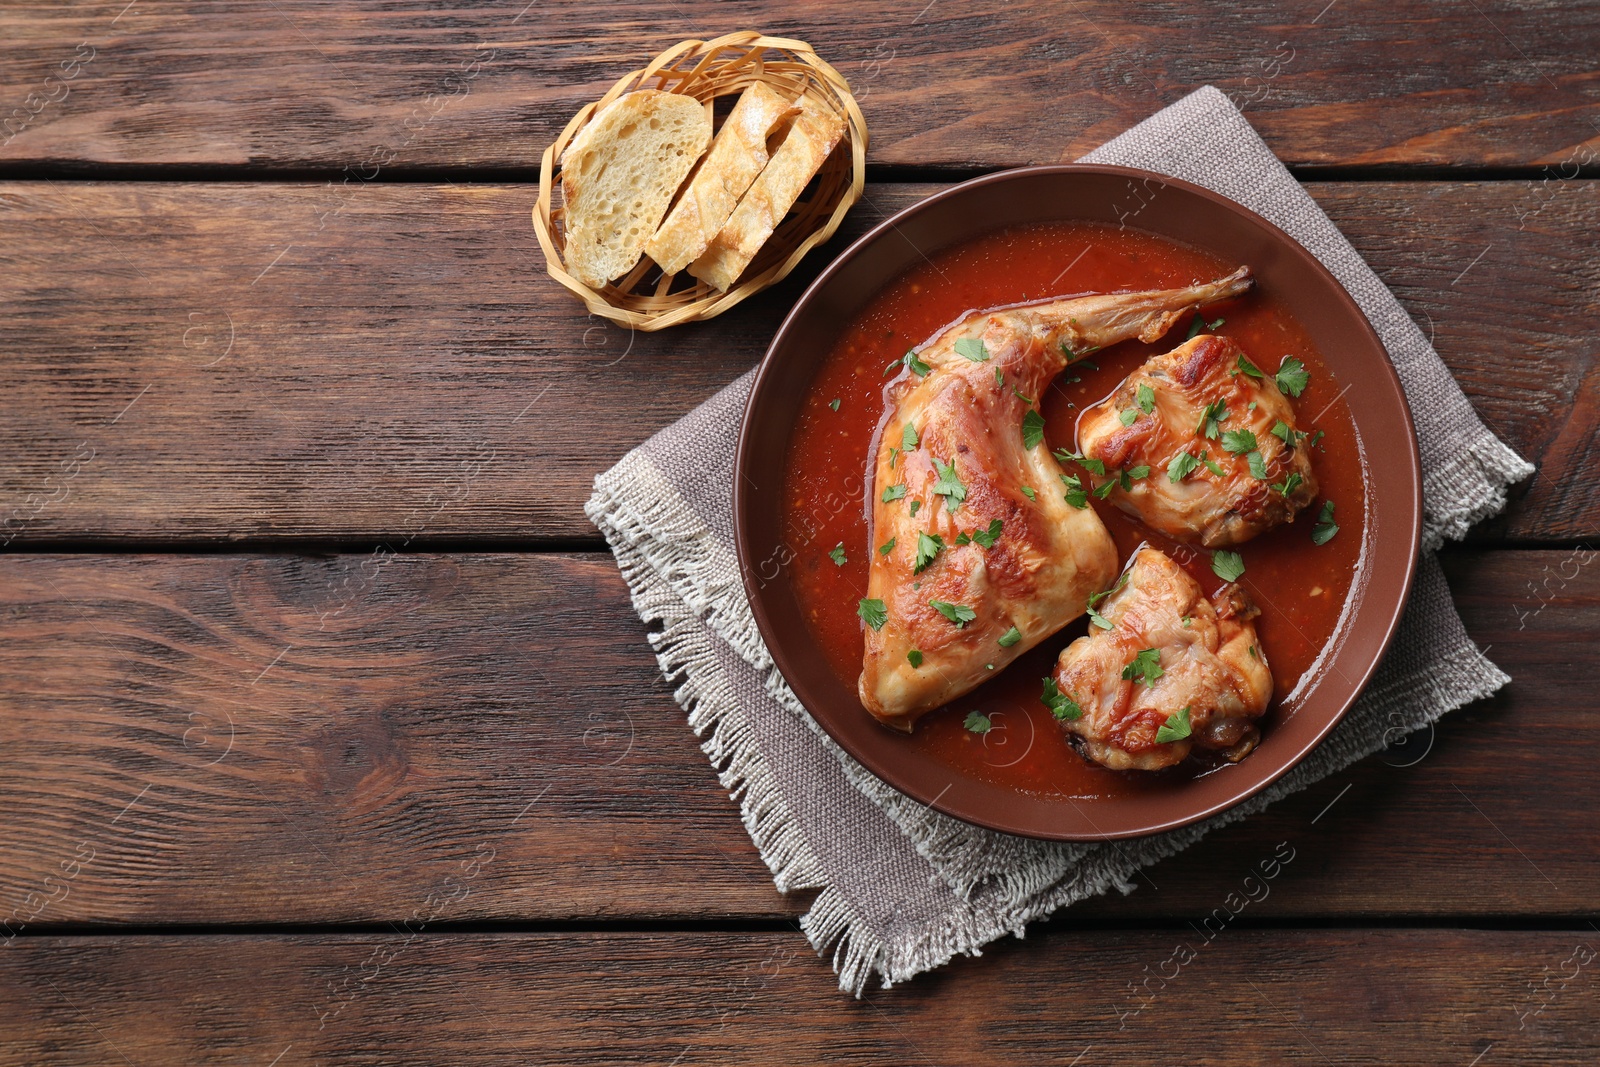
744 488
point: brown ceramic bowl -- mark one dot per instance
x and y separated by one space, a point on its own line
1183 212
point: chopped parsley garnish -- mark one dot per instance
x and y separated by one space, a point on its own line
1211 418
873 613
894 456
1199 321
928 548
1088 463
959 614
1094 601
1289 484
1314 439
908 360
1032 429
986 538
896 491
972 348
914 657
1292 376
1135 473
1078 356
1103 490
1325 528
1237 441
1287 434
1176 728
1258 466
948 486
1205 457
1128 416
1075 495
999 377
1146 399
888 546
1244 366
1062 706
908 438
977 722
916 505
1227 565
1018 394
1144 667
834 403
1028 492
1010 637
837 554
1181 466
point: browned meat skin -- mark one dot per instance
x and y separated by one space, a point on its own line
1048 556
1211 664
1216 510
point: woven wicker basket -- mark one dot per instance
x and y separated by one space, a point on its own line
645 299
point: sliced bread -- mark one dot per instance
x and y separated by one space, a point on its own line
804 149
619 174
736 157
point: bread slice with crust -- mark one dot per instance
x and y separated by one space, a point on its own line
619 174
736 157
811 137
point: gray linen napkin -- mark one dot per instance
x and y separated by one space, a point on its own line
904 888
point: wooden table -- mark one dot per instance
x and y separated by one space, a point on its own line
329 733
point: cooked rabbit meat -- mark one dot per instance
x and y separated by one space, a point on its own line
976 556
1224 459
1174 673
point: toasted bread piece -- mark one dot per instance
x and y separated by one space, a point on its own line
812 136
619 174
736 157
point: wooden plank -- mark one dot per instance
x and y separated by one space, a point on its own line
1410 996
298 84
275 738
227 361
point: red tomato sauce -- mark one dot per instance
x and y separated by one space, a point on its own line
1300 587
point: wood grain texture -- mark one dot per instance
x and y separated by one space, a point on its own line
1378 998
280 361
226 739
300 84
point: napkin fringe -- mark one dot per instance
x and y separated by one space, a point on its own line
1469 487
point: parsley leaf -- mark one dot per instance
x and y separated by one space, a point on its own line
1258 466
914 657
1127 417
1314 439
1292 376
1141 471
1287 434
915 505
894 455
988 537
977 722
908 438
1325 528
837 554
1032 429
1145 666
873 613
887 547
1176 728
1028 492
908 360
1018 394
948 486
1095 599
1181 466
959 614
999 377
1227 565
1205 457
1289 484
928 548
1237 441
1146 399
972 348
1199 321
1088 463
1062 706
1214 414
1010 637
1103 490
1075 495
834 403
894 492
1246 367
